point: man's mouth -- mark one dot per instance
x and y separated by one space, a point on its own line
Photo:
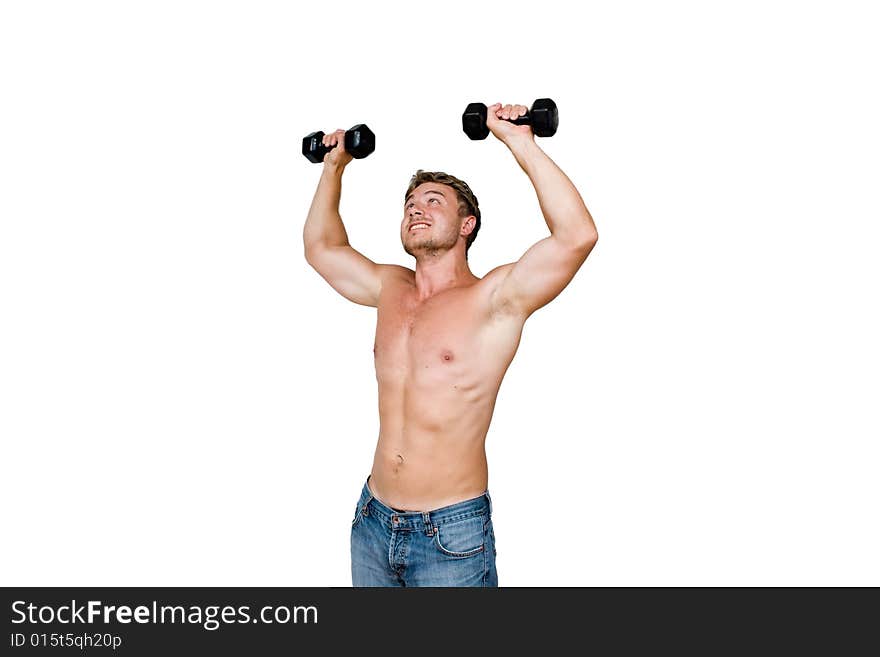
420 225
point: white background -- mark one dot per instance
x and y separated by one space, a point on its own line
186 402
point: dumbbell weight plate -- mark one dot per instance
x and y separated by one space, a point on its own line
360 141
545 117
313 147
473 121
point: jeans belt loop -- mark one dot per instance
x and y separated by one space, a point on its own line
429 528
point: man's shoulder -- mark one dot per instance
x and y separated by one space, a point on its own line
392 273
497 306
493 279
397 270
497 275
395 280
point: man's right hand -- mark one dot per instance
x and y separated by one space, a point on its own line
338 157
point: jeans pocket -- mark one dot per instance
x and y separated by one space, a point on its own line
358 514
460 538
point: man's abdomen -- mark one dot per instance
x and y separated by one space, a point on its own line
431 452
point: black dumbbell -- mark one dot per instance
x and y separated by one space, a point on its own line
359 141
543 117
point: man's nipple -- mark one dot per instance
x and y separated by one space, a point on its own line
446 356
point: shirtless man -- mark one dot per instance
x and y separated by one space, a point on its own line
444 339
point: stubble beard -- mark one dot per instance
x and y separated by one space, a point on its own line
430 248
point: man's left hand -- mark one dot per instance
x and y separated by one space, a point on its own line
496 116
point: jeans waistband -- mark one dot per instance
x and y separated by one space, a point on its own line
422 520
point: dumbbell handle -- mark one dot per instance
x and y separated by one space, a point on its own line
525 119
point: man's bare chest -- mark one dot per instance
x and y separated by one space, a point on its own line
439 330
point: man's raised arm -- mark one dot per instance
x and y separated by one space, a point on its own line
327 250
324 225
548 266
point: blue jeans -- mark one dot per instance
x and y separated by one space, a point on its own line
450 546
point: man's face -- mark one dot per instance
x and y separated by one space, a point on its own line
430 220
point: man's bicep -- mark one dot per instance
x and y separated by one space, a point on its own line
349 272
539 275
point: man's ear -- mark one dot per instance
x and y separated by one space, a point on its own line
468 225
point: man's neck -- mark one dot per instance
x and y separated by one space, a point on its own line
435 274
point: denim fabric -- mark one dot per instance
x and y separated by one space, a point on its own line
450 546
